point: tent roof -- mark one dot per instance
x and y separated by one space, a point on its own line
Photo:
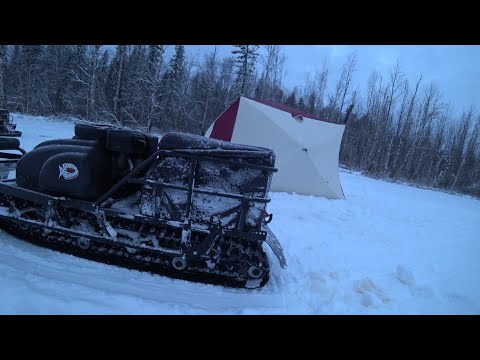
289 109
225 123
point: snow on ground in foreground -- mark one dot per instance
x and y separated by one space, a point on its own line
386 249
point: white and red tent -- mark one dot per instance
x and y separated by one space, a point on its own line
306 146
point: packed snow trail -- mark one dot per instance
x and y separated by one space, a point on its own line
386 249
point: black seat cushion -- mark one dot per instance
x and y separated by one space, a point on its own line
131 142
92 131
217 148
178 141
9 143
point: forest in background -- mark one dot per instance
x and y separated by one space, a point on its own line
398 130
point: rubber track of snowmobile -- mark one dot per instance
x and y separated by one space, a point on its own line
126 261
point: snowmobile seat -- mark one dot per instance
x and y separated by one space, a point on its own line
91 131
117 139
131 142
217 148
9 143
68 142
177 141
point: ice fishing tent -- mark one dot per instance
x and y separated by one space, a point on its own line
307 147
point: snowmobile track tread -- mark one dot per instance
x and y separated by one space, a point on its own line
129 263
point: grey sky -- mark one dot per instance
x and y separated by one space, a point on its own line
454 68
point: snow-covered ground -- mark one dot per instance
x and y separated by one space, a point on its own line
386 249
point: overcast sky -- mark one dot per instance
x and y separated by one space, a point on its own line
454 68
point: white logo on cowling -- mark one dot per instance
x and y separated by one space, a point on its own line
68 171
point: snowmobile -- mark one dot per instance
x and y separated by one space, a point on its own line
7 127
182 205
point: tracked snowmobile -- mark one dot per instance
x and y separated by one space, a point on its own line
7 127
184 206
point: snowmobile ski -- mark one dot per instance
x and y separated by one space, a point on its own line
274 244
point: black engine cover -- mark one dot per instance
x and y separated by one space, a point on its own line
79 171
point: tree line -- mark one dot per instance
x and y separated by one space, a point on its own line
398 130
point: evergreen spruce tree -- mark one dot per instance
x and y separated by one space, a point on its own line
246 58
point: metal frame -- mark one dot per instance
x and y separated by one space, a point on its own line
129 178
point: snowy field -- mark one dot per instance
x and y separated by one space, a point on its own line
386 249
